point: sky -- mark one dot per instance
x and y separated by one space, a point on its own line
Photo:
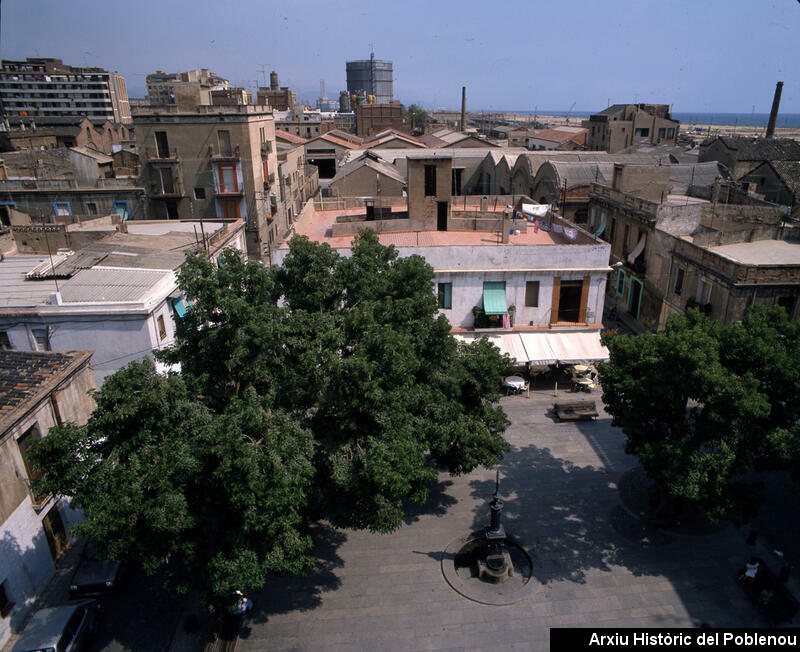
707 56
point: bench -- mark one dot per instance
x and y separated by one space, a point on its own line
782 606
575 410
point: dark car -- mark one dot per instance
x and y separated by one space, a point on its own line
95 576
59 629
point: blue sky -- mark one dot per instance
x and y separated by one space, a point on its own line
707 56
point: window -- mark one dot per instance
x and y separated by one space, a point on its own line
92 208
662 132
5 343
230 208
42 338
162 328
199 193
703 292
171 209
5 602
457 175
532 294
430 180
121 208
787 303
25 443
227 179
612 230
670 132
262 135
620 283
62 208
445 295
642 132
678 287
162 145
224 138
166 184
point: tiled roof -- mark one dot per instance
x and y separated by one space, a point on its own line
288 137
28 376
760 149
789 172
558 136
611 110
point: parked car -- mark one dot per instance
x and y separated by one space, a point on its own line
65 628
95 576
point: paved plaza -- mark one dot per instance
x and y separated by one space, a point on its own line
594 565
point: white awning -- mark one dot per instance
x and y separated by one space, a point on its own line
545 348
639 248
538 349
509 343
574 348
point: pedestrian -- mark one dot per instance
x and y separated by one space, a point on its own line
243 603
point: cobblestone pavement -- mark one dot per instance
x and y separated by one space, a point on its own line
591 565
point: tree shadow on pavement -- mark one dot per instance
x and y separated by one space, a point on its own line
559 511
282 594
437 504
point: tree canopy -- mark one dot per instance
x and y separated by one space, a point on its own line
417 117
327 387
704 404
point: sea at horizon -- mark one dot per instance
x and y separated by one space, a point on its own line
788 120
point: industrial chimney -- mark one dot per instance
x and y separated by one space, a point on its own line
773 115
273 81
463 108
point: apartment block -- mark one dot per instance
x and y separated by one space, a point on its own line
42 88
624 125
214 161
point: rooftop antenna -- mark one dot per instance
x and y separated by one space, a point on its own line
263 72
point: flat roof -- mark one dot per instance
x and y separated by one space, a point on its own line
761 252
319 229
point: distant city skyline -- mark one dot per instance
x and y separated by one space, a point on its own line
711 57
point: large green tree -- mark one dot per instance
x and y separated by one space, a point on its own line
326 387
704 404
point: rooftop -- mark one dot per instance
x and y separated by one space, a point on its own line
761 252
759 149
28 376
319 229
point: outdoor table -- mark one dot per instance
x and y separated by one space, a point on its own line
514 382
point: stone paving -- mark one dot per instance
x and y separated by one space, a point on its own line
591 566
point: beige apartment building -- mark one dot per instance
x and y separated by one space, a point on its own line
213 162
623 125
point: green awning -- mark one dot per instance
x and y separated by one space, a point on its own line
494 298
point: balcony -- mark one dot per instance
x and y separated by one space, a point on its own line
222 156
155 155
705 308
166 191
266 148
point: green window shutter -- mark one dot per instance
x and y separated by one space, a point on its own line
179 307
494 298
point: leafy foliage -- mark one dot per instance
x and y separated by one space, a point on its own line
327 386
703 404
417 117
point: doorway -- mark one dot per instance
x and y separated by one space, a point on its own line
441 216
55 533
635 297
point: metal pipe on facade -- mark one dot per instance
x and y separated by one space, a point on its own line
773 115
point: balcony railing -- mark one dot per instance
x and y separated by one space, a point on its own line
156 155
217 154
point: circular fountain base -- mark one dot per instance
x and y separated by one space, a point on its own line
465 570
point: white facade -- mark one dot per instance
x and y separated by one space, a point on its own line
118 331
468 267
